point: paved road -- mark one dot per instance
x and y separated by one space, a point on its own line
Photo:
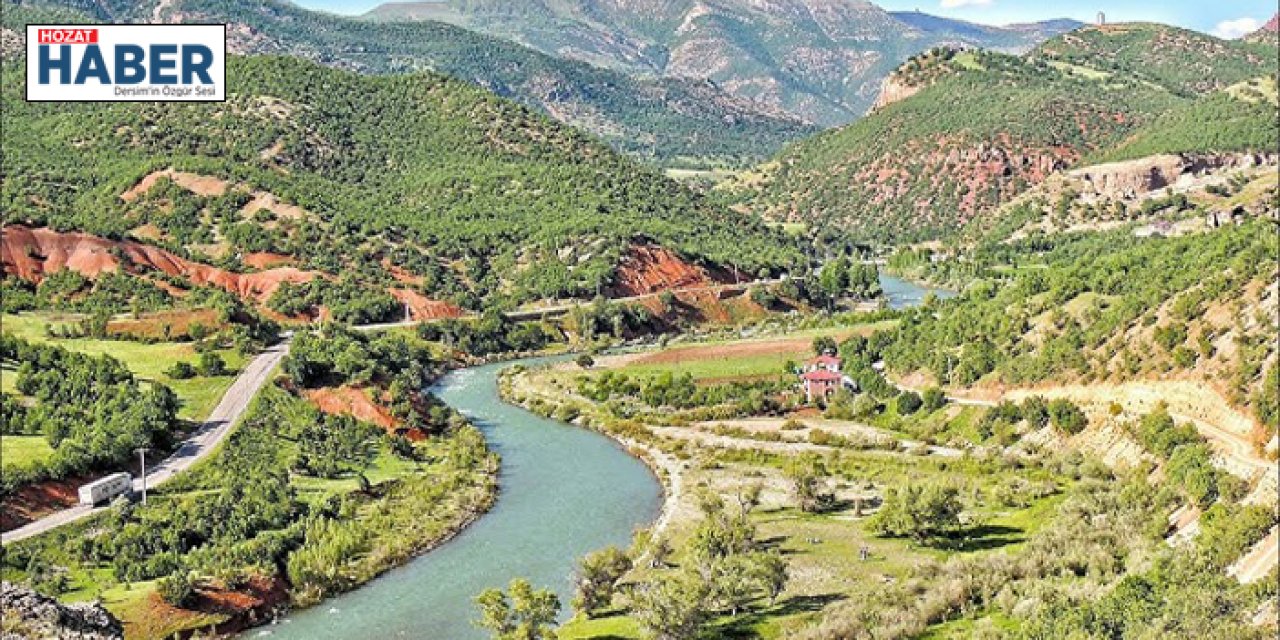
201 443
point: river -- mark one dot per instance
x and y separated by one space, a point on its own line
566 491
901 294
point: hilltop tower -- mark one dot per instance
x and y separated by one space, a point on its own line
1102 19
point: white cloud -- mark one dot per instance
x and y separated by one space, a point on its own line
1230 29
956 4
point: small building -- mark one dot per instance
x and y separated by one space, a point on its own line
821 378
820 383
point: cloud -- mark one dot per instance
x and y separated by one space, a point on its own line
957 4
1231 29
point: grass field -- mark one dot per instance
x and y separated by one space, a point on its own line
17 452
147 361
822 549
741 359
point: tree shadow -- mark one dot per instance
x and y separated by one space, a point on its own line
744 624
980 538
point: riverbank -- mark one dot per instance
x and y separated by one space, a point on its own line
516 387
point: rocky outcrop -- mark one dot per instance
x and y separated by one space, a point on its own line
1133 178
893 90
28 614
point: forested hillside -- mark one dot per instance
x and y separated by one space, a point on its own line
819 60
1113 307
672 122
959 133
416 179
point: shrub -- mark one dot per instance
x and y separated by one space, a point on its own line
181 371
1066 417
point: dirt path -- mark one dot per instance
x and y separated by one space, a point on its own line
1257 563
201 443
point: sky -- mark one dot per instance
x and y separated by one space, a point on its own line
1225 18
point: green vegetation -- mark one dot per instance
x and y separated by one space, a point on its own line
478 197
669 121
1181 61
963 145
91 412
1016 329
1238 125
521 613
242 516
147 361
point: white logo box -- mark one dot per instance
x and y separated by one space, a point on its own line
126 62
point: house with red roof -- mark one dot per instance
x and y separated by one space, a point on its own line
824 362
820 383
821 377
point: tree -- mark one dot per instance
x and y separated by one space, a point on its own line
598 576
806 475
181 371
824 344
670 606
1035 410
585 361
1066 417
523 613
933 399
211 364
769 570
177 589
919 512
908 403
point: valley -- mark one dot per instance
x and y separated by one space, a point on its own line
646 319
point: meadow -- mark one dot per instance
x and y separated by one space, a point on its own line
199 395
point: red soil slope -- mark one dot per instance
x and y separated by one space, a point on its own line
649 269
355 402
35 501
424 308
265 260
32 253
351 401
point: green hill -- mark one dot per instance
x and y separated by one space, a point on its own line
959 134
1187 63
478 197
1239 118
669 121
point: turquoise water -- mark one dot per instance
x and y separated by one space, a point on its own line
566 491
902 293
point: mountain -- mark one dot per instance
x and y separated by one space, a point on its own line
957 134
1012 38
819 60
669 121
1268 33
413 183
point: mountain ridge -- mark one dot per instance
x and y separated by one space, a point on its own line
951 140
668 121
819 61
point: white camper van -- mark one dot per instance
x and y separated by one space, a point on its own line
104 489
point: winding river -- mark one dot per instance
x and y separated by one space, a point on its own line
566 491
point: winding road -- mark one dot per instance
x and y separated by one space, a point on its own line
199 445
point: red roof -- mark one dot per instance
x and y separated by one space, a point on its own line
821 375
825 359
